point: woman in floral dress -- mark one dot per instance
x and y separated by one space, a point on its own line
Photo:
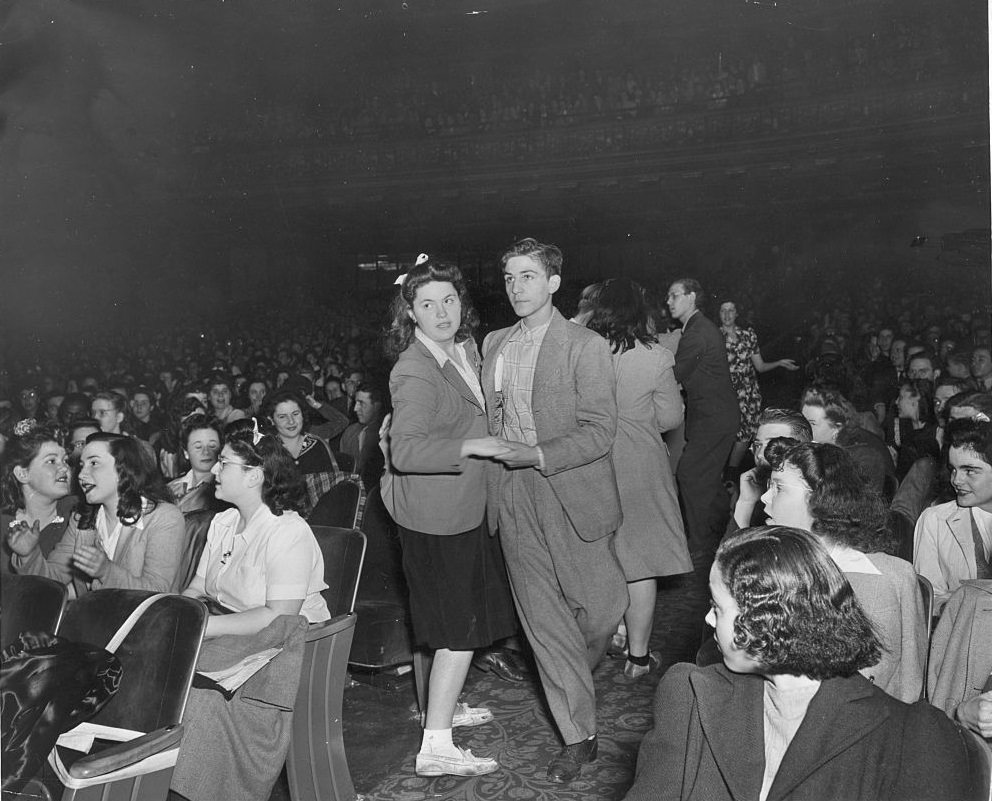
746 362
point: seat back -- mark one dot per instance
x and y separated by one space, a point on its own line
30 603
343 550
926 590
338 507
197 525
158 655
980 759
346 462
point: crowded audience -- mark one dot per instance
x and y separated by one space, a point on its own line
875 483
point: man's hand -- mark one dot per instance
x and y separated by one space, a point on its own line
485 447
517 454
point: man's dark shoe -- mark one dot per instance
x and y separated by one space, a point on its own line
567 764
502 662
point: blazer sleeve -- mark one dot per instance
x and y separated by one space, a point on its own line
668 406
595 427
58 565
661 760
338 422
165 536
414 444
926 557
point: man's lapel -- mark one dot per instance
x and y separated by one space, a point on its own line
548 369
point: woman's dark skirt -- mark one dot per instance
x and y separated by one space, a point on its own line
459 591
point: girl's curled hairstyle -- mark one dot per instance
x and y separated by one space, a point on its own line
20 451
138 481
798 613
401 328
845 509
283 487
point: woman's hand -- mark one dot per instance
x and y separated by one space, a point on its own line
384 436
788 364
976 714
23 538
486 447
92 560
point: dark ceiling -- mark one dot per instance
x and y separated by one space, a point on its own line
110 198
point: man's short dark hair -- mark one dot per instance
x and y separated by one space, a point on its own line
375 392
799 427
548 256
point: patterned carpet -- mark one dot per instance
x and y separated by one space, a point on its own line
382 732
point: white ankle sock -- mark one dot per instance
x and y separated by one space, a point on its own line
438 741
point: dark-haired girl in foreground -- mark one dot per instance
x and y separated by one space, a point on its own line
124 535
787 715
261 559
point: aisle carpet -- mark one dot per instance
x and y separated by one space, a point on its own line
382 731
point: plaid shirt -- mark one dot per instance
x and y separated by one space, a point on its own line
319 483
515 367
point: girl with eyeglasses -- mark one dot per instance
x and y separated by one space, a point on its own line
261 559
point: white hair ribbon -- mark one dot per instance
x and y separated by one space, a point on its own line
422 258
256 435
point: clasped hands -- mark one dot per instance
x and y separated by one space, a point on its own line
90 559
511 454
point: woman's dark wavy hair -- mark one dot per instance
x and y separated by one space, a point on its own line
798 613
970 435
620 315
20 451
399 334
137 477
273 399
283 487
845 509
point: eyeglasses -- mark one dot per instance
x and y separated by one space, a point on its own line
673 295
222 463
777 486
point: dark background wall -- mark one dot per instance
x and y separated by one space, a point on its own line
164 155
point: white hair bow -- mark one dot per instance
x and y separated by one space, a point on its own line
420 260
256 434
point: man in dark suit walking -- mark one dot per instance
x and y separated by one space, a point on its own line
711 421
549 388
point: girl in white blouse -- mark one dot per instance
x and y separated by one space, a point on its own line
261 559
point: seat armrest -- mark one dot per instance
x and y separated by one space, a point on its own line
328 628
121 755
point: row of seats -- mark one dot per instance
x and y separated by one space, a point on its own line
159 657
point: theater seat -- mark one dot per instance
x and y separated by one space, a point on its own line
316 766
29 603
140 728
